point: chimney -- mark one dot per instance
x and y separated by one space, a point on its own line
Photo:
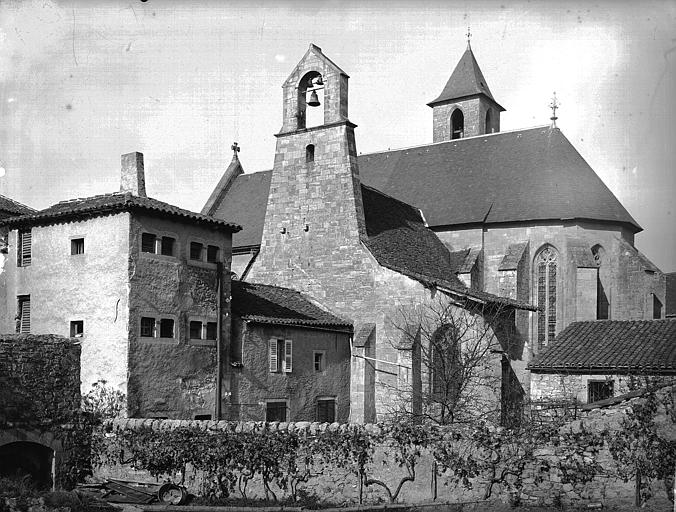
132 177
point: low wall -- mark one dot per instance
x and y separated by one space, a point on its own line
572 467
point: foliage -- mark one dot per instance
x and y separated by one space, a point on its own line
644 452
103 401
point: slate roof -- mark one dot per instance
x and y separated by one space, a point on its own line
245 203
267 304
512 257
520 176
10 208
112 203
400 241
466 80
670 306
611 346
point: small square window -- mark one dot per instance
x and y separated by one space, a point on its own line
326 410
168 245
196 249
212 328
77 246
147 327
166 328
275 411
195 330
319 359
213 252
148 242
599 390
76 329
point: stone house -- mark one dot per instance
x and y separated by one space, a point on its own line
518 215
144 285
311 224
598 359
289 357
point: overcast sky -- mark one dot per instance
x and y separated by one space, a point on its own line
83 82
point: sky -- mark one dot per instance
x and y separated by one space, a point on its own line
83 82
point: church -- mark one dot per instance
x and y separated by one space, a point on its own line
512 219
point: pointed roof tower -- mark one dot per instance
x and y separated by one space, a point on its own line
466 107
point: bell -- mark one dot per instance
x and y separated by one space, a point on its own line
314 99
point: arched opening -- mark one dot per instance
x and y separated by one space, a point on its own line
546 269
489 121
309 153
25 459
602 283
311 100
457 124
446 372
657 307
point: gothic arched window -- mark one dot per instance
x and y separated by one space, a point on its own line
602 281
457 124
546 263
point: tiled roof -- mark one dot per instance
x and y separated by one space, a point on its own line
10 208
670 306
363 334
112 203
268 304
611 346
466 80
245 203
526 175
512 257
581 254
399 240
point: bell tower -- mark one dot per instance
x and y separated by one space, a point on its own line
465 107
314 220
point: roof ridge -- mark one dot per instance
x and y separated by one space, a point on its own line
504 132
77 199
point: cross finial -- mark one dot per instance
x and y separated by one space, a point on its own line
554 104
469 36
235 149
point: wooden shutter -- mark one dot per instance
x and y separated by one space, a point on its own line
288 355
272 354
24 251
25 316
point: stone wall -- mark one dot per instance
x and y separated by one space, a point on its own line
253 383
39 379
175 377
474 112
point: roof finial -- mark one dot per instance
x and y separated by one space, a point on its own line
469 36
235 149
554 104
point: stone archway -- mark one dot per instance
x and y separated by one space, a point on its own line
23 459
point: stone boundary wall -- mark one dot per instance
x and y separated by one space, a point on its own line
539 487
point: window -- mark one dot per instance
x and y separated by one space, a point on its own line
213 253
76 246
446 365
489 121
147 327
166 328
148 242
76 328
212 329
203 417
326 410
657 307
23 253
309 153
168 245
196 249
599 390
319 360
23 318
546 267
457 124
275 411
280 355
195 330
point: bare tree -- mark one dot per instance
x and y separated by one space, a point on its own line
460 353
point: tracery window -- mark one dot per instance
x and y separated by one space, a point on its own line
546 269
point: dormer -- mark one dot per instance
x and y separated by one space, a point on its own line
465 107
316 84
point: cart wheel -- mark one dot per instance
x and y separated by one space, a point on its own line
172 494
